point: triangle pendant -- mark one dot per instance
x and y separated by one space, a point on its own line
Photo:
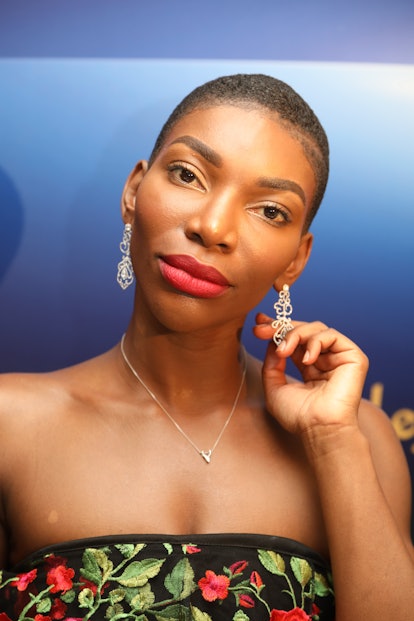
206 455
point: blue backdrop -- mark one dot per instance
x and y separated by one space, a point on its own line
72 126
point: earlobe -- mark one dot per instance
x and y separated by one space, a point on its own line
130 190
296 267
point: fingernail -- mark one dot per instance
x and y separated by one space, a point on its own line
305 357
282 346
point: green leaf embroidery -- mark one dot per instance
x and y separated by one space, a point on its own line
176 612
85 598
144 598
90 568
272 561
96 566
168 547
68 597
130 593
301 569
44 605
116 596
199 615
113 611
180 582
129 549
321 585
139 572
240 616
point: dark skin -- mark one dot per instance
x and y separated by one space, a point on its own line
88 451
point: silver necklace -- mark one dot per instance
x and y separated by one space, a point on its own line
206 455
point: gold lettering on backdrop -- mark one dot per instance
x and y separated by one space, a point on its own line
376 393
402 420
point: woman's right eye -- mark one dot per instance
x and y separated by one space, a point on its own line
184 175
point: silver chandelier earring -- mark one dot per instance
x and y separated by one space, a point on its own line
283 308
125 276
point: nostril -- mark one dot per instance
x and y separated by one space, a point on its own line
197 238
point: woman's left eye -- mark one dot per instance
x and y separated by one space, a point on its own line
274 213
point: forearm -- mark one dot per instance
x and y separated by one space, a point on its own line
372 566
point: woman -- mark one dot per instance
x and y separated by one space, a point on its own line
174 477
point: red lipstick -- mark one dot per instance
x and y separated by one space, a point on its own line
186 274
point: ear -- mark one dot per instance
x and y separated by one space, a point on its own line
296 267
130 190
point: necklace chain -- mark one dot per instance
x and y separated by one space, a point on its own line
206 455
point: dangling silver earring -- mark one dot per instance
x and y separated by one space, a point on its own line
283 308
125 276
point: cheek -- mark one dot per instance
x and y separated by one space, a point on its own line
269 256
155 210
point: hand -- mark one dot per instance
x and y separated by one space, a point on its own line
333 369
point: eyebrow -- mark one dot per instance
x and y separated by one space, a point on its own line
275 183
204 150
210 155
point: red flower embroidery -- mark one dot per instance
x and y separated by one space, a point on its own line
189 549
58 609
246 601
238 567
53 561
315 610
23 581
61 578
214 586
256 580
87 584
296 614
4 617
42 618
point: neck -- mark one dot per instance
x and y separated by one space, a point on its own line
186 369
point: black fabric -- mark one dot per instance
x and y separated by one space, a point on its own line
221 577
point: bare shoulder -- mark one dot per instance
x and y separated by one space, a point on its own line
389 461
378 429
35 396
22 394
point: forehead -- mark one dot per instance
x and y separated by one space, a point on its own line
246 124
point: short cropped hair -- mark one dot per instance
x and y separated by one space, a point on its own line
259 91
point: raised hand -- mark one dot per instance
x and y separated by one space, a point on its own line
333 370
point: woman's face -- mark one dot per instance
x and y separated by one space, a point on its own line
218 218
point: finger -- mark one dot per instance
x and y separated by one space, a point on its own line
264 332
273 369
264 329
263 318
320 352
315 338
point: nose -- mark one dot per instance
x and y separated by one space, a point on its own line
215 223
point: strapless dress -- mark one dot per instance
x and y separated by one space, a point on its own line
210 577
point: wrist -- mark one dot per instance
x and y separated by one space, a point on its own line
324 443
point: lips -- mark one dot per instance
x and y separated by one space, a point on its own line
186 274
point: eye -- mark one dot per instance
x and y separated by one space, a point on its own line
182 174
187 176
274 214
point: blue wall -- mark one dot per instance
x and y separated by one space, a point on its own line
84 89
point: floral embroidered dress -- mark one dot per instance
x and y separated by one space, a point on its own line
170 578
